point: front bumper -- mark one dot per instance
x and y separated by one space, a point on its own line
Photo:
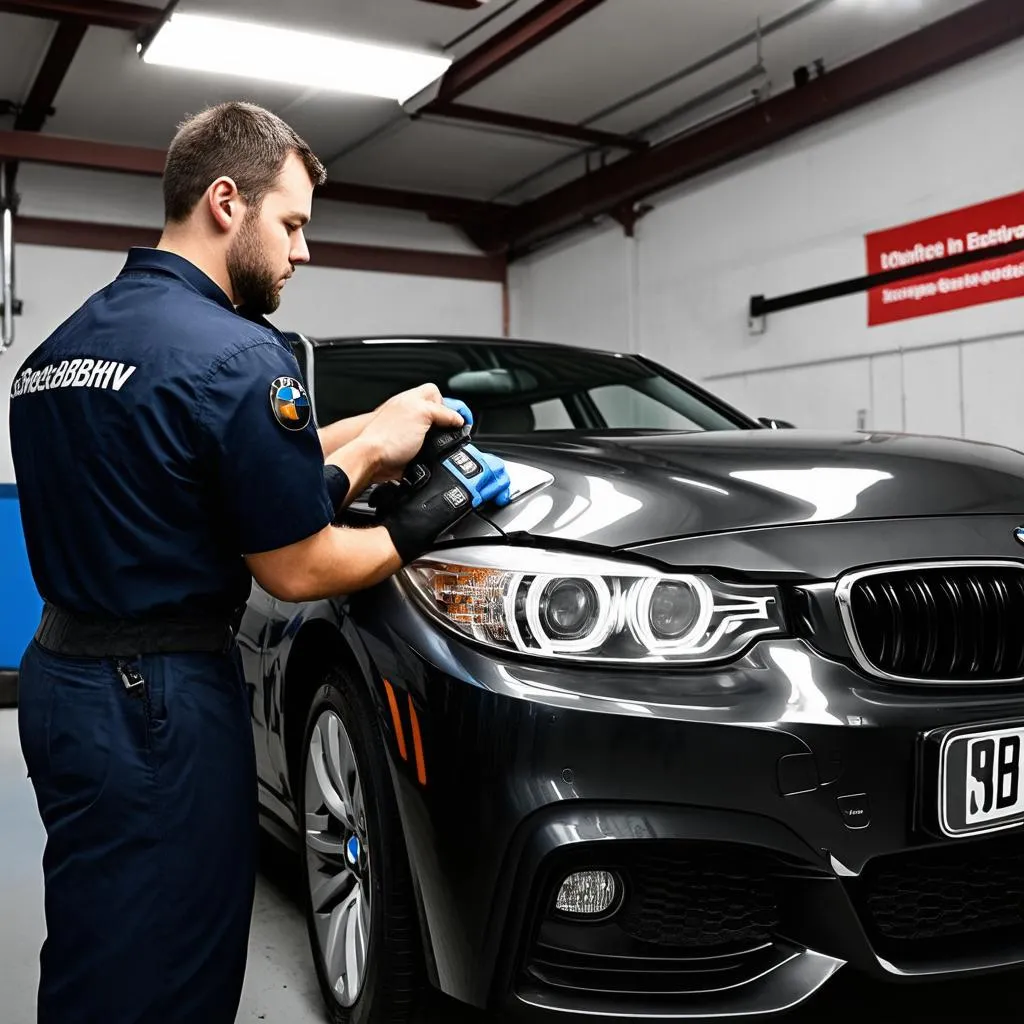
786 776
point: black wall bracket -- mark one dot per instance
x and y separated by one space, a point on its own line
761 307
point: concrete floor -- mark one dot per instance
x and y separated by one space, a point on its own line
280 985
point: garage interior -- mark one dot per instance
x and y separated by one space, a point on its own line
727 188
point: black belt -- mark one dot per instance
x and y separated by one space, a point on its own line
63 632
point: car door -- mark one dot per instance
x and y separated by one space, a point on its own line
252 639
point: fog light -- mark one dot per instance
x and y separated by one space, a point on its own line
587 892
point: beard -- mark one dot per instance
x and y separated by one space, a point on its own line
252 278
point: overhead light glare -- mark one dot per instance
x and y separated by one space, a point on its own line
225 46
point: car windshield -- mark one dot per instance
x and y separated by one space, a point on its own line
512 388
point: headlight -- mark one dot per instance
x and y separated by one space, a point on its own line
575 606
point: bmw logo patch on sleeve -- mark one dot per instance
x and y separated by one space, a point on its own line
290 403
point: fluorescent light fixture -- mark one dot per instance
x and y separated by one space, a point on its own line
268 53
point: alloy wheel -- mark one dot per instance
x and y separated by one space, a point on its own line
337 857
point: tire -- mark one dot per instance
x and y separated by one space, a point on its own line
392 988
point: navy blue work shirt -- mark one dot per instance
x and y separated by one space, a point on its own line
159 436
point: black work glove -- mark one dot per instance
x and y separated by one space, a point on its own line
385 498
447 480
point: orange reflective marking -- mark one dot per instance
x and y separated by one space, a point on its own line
397 719
417 742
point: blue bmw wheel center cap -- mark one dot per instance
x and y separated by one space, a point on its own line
352 850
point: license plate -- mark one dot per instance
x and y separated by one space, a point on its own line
981 780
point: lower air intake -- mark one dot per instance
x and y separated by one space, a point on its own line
700 901
939 901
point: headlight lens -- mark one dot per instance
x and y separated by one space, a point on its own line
550 604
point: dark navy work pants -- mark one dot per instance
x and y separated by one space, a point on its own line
150 809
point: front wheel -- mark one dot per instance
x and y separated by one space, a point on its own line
359 905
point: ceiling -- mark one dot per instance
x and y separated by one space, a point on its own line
584 75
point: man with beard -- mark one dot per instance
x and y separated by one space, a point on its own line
166 455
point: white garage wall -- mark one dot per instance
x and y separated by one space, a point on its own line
794 217
334 303
579 293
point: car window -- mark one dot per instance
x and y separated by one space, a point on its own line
551 415
514 388
619 403
299 351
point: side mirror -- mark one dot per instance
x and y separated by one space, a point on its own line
773 424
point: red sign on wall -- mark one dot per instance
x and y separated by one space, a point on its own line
972 229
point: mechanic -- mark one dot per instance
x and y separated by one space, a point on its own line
166 455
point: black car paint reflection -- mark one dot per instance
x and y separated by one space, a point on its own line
772 817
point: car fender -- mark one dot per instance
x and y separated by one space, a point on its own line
316 636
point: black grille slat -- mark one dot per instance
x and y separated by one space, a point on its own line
1016 613
942 623
989 631
952 594
914 636
1000 601
871 616
976 622
891 603
926 611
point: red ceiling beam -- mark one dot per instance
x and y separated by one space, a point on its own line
539 126
416 262
372 258
505 47
107 13
935 48
539 24
444 208
37 107
62 151
56 64
81 153
462 5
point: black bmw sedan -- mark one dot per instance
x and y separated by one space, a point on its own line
707 713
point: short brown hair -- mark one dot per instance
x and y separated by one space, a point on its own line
240 140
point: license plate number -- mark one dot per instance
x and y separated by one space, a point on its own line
982 780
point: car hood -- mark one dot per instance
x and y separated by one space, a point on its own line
621 489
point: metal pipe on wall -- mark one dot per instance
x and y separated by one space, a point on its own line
7 260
